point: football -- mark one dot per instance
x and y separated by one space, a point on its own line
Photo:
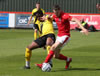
46 67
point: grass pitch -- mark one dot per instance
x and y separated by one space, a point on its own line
85 51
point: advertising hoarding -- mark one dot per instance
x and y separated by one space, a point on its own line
22 21
4 20
90 19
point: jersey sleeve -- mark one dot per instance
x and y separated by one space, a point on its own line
33 11
43 11
53 16
67 16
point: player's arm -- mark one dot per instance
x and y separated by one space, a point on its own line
85 31
33 12
30 20
43 11
50 17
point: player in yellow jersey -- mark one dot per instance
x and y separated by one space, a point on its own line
36 21
47 38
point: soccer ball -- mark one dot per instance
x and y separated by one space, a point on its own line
46 67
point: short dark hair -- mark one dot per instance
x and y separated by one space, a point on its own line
56 7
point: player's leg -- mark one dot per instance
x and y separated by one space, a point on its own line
35 34
54 50
50 41
63 40
28 53
39 42
36 29
60 56
49 56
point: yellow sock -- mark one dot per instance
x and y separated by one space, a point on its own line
28 54
48 49
35 35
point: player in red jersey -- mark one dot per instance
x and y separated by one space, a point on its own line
63 22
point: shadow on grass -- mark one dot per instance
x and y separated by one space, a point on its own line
78 69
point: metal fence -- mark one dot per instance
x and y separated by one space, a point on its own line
70 6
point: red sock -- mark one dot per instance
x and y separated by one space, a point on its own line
50 55
62 57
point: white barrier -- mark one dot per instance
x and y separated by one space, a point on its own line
11 21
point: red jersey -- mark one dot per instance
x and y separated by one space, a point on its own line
63 23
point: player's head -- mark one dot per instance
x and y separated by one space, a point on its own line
38 5
57 10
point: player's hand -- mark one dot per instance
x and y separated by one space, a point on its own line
50 16
85 31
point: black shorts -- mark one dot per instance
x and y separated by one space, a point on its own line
41 41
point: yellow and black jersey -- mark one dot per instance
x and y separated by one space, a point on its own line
33 14
35 10
46 27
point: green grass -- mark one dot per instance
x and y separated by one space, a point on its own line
85 51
